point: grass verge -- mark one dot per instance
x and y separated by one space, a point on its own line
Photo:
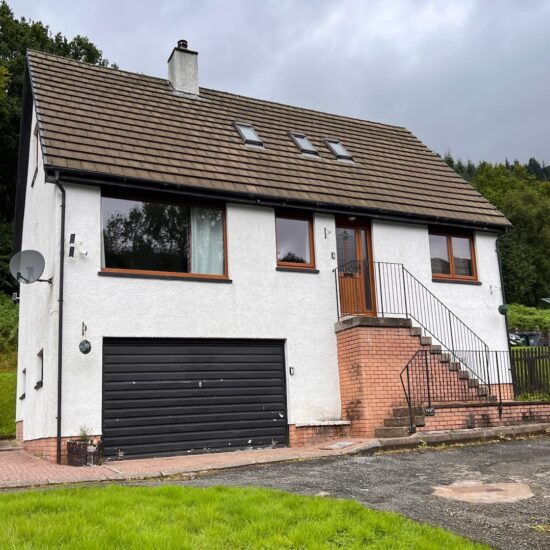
7 404
218 517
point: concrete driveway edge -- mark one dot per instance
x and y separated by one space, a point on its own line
458 436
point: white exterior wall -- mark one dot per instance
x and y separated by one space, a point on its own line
259 303
475 305
38 307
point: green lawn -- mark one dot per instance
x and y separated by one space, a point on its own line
7 404
220 517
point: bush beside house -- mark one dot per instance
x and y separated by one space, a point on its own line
8 360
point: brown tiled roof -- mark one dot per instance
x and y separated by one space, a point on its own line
117 123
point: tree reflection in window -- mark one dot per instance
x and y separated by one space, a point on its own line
162 237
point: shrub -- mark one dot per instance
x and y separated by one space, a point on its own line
528 318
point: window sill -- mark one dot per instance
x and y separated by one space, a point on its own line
456 281
39 384
298 269
150 275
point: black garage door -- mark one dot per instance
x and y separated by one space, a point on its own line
179 396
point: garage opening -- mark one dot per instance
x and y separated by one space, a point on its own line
179 396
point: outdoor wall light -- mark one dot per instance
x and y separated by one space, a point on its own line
85 347
503 309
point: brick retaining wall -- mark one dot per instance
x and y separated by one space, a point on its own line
46 447
460 417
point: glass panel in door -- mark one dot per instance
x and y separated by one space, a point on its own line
354 271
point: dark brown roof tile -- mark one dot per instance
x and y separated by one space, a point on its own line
108 121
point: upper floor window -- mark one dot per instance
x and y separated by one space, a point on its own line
158 236
294 241
452 255
249 135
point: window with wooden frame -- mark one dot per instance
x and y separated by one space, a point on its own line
155 236
453 255
295 247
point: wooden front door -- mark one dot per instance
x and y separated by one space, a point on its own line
355 270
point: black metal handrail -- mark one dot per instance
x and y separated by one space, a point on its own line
434 378
387 288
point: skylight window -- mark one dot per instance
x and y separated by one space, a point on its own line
338 149
304 144
248 134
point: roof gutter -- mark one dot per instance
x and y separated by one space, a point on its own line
60 319
117 182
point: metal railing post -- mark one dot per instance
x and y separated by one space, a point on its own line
412 424
429 410
451 332
381 292
404 292
499 387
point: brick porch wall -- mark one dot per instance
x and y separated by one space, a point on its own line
300 436
371 354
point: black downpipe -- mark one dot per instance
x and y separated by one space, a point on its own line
60 319
499 259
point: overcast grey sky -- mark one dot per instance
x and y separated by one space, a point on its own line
472 77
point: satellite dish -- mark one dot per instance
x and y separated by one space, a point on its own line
27 266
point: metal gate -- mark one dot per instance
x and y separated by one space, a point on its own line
179 396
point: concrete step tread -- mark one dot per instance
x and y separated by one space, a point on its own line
403 421
391 432
404 411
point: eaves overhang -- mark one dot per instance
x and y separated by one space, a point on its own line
84 177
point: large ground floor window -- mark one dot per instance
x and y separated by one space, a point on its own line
163 236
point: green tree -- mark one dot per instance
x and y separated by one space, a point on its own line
16 36
522 194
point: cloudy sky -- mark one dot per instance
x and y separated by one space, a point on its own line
470 77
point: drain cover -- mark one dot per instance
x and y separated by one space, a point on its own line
484 493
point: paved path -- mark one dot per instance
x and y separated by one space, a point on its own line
21 469
405 481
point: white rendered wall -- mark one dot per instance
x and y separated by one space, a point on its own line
38 307
477 306
260 303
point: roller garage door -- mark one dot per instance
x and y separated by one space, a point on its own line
179 396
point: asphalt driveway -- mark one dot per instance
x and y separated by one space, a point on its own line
404 482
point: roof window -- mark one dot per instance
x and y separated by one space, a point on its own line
248 134
304 144
338 149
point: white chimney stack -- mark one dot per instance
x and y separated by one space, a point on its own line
183 69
